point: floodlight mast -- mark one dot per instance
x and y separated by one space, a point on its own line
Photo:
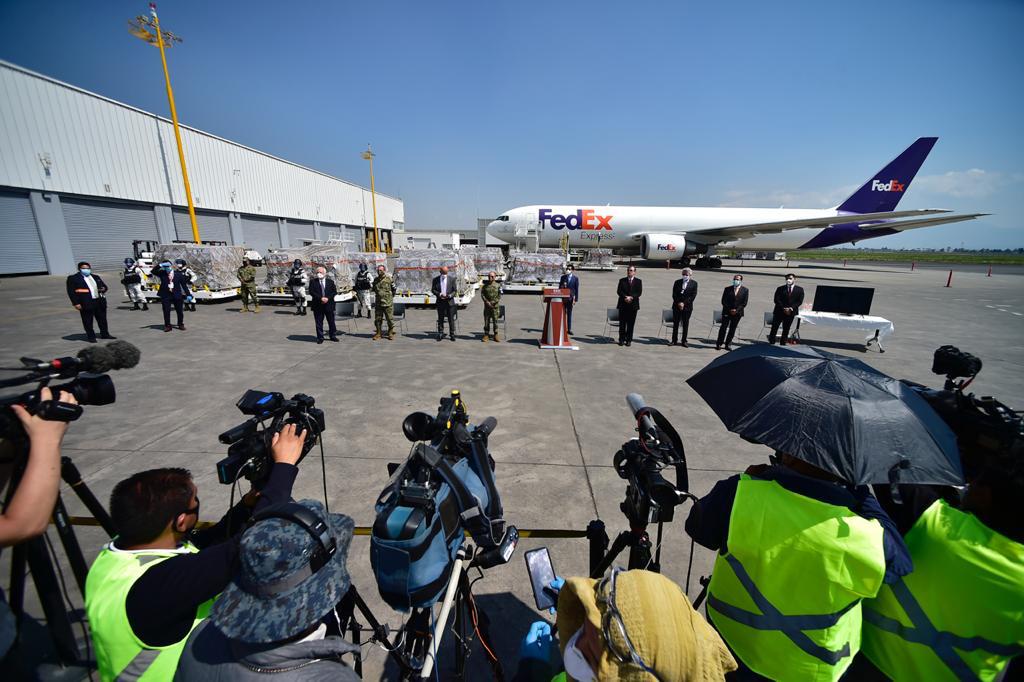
148 29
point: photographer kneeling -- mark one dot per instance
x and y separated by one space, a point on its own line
151 586
270 619
631 625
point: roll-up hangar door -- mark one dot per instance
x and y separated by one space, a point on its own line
21 249
299 230
260 233
356 235
102 232
213 227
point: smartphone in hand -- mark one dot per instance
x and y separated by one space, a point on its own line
538 564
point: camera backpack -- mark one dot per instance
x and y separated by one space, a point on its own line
422 516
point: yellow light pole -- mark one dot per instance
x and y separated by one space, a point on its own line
148 29
368 155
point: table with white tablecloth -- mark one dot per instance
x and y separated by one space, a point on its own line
877 327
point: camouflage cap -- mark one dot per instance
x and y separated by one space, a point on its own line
269 552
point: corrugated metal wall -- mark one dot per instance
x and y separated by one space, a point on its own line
356 235
212 226
57 138
21 251
101 232
260 233
297 231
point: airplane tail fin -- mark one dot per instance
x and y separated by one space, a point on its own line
883 191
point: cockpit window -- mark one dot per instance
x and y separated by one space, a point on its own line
503 218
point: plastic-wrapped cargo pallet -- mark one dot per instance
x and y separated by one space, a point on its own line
216 267
348 266
279 265
598 258
537 267
485 259
416 269
333 257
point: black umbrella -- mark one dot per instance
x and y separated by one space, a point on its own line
831 411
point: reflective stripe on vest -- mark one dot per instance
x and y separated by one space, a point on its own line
786 598
967 578
120 655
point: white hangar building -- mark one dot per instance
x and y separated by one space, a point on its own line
82 176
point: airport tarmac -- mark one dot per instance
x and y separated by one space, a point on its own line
561 414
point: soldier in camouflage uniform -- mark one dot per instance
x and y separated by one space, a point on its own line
491 294
384 291
247 277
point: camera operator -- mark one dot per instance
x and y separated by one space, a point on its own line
32 503
964 599
270 619
794 539
156 581
631 625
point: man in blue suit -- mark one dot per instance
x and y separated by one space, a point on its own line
571 282
172 293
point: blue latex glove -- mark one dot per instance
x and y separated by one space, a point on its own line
556 587
538 643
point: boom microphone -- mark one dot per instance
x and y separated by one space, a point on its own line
96 359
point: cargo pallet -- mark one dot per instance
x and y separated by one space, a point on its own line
527 287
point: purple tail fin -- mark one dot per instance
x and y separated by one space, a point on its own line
885 189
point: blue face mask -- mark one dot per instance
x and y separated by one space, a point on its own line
85 272
166 266
737 282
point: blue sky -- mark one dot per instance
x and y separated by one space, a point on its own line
477 107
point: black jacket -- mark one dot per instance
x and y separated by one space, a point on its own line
626 289
684 297
174 290
573 286
730 300
783 299
79 293
317 289
435 287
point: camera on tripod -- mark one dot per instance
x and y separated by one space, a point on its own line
249 451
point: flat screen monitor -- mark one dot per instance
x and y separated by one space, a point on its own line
844 300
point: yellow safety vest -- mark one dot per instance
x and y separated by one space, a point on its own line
960 614
121 655
786 597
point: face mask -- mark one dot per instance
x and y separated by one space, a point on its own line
321 275
166 267
85 272
686 278
737 282
576 665
789 282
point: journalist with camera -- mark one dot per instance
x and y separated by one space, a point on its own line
958 615
151 586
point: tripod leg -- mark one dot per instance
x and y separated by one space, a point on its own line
640 551
622 540
70 543
69 472
47 587
598 540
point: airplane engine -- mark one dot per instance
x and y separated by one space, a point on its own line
666 247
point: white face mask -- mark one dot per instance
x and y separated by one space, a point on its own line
789 282
576 665
321 275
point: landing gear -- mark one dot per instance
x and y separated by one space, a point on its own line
708 262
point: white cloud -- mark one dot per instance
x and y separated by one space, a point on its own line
787 199
974 183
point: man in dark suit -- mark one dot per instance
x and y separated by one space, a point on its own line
172 293
87 293
321 293
683 292
571 282
734 300
629 292
788 299
443 288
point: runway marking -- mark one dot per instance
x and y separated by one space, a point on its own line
32 298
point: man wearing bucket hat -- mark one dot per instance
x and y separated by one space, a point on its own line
630 625
269 621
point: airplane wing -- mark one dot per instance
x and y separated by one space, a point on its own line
719 234
924 222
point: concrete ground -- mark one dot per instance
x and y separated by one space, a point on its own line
561 415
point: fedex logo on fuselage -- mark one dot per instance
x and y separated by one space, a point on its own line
891 186
580 220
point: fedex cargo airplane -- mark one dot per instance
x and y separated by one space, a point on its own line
675 233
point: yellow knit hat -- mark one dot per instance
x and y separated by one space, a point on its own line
668 634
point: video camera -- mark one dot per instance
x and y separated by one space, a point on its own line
90 386
444 489
249 451
650 498
986 429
